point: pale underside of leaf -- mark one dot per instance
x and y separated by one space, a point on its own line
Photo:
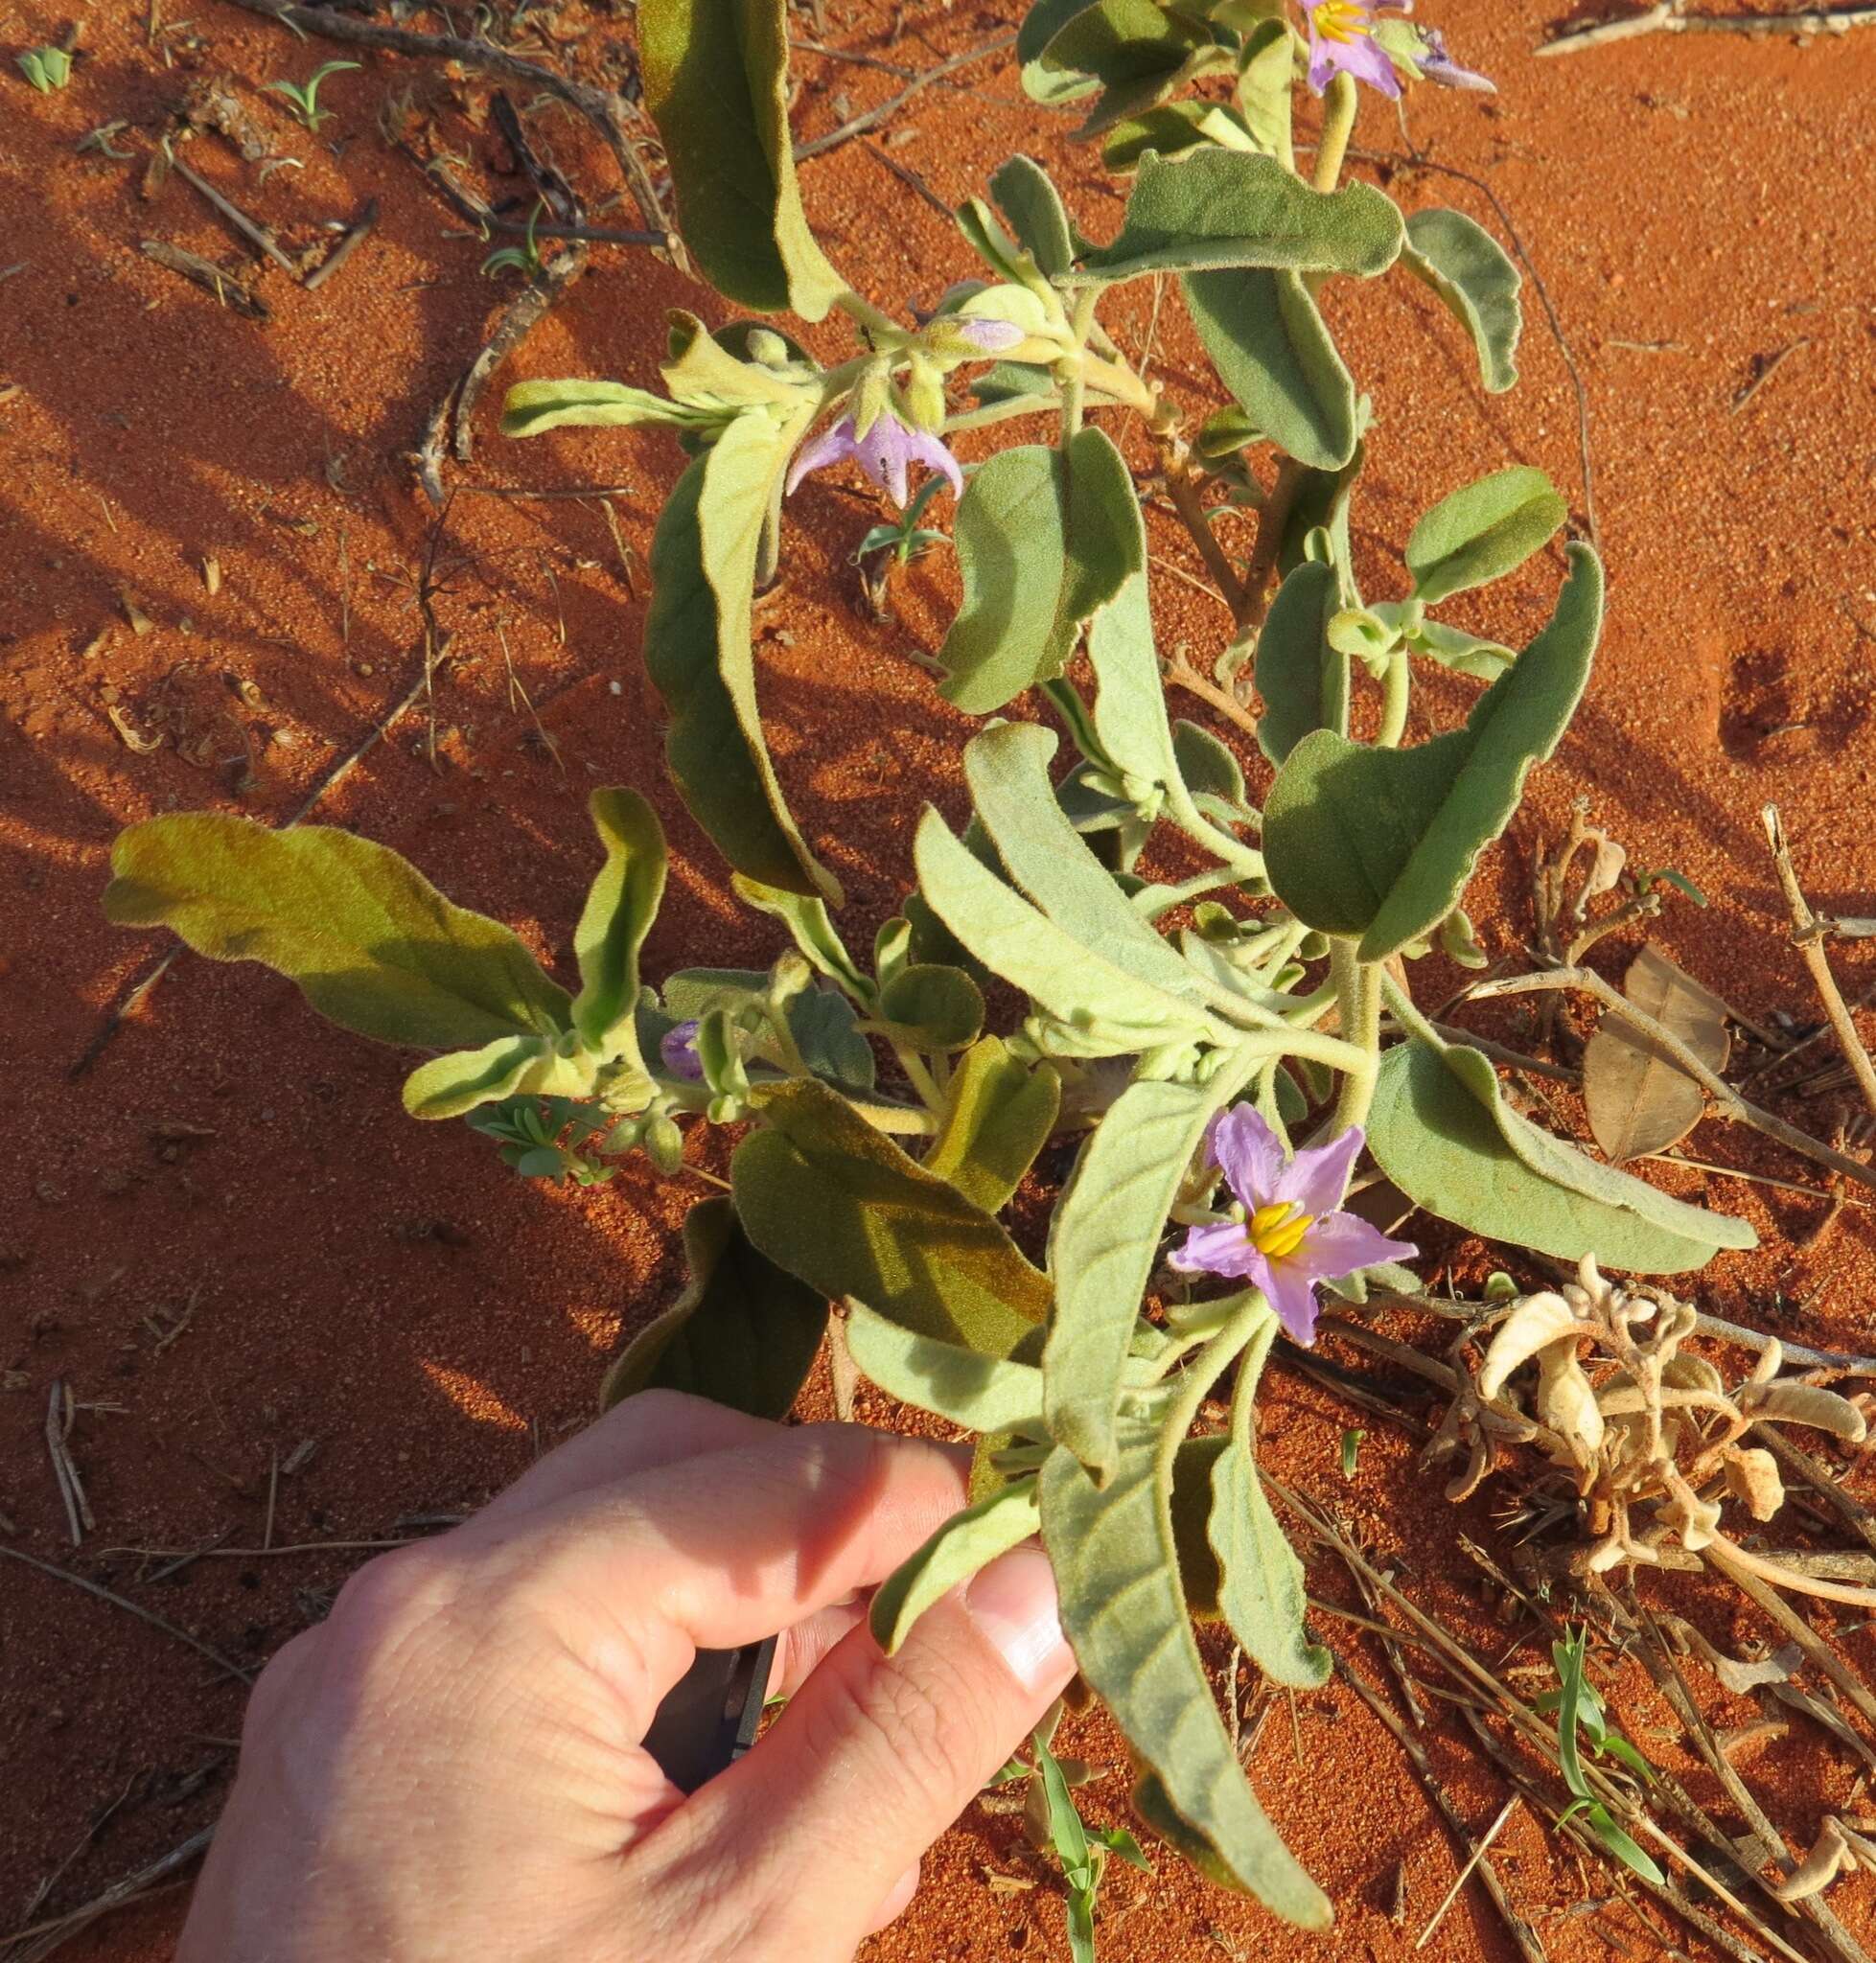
966 1542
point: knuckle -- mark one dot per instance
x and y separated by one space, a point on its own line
915 1722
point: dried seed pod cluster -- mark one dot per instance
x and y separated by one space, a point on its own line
1649 1431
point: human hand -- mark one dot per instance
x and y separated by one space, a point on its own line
449 1765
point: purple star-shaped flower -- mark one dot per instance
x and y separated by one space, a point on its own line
676 1050
1292 1232
1342 42
885 453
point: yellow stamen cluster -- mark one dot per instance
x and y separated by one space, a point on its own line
1340 20
1276 1230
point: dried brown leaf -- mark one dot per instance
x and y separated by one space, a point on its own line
1640 1101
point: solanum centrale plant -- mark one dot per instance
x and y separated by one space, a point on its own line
1224 1082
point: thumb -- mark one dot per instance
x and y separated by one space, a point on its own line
875 1756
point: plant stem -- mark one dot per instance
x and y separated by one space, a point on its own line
1195 1382
1397 685
919 1078
1074 374
1338 108
864 314
1358 991
1184 494
1808 936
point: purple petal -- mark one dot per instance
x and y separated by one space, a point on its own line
676 1049
933 454
1316 1179
1321 63
1363 59
1289 1290
989 337
1341 1243
883 452
1436 65
832 445
1248 1153
1222 1249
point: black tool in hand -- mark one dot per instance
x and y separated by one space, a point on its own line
708 1719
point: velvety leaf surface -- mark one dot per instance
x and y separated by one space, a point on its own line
1272 349
1304 682
372 944
998 1115
967 1542
744 1332
1476 282
622 905
1483 531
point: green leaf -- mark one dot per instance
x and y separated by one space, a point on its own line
966 1542
511 1066
1441 1132
838 1204
1262 1591
1218 208
826 1031
1476 282
1169 128
1380 843
1303 679
998 1115
1044 537
712 369
743 1331
1033 207
1272 349
1013 939
1102 1244
372 944
531 408
716 84
622 905
1007 771
1210 767
1200 1574
1266 81
1124 1611
1134 50
983 1394
699 654
812 931
936 1007
1483 531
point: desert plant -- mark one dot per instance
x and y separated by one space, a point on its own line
46 68
1234 1053
303 97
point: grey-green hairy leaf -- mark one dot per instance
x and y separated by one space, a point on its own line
1303 679
1102 1244
1033 207
1044 538
456 1082
1483 531
1380 843
1017 941
1263 1592
698 651
1215 208
983 1394
531 408
622 905
998 1115
966 1542
936 1007
744 1332
372 944
1272 349
838 1204
1007 771
1124 1611
1440 1130
1476 282
1134 50
716 84
805 916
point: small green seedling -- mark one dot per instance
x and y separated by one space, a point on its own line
525 258
1579 1709
1351 1451
303 98
906 539
46 68
1050 1820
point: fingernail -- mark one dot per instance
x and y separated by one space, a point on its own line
1013 1603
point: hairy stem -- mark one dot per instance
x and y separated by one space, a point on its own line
1358 992
1338 108
1397 685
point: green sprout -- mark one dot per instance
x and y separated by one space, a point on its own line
46 68
1579 1708
525 258
303 98
1051 1819
905 539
